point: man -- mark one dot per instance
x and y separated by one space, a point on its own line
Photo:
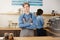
27 21
40 29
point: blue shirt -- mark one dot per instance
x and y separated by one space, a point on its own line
40 21
27 19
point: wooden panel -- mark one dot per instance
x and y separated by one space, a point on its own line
15 32
31 38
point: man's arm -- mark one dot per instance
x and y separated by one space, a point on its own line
34 24
21 22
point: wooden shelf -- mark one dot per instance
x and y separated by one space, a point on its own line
10 13
10 28
51 15
47 15
57 14
17 13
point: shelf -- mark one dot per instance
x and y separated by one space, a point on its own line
10 28
10 13
17 13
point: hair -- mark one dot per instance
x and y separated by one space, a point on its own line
39 12
26 3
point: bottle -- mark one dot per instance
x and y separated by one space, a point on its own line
53 12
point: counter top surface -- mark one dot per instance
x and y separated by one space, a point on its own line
36 38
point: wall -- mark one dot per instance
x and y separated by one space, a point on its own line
5 6
6 20
48 5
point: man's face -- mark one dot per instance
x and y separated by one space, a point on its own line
26 8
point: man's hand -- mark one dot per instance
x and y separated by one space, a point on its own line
30 20
31 23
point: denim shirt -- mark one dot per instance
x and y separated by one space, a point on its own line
40 21
24 21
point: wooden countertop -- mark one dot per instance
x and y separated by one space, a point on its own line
36 38
31 38
49 30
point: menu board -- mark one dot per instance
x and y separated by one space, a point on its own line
31 2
